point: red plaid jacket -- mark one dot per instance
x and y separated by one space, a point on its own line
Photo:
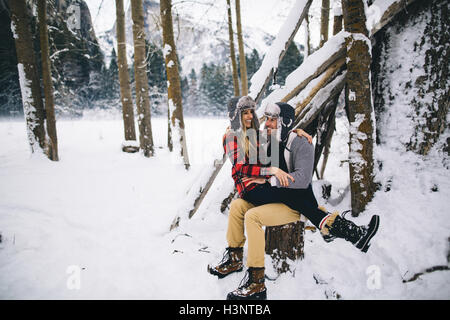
241 167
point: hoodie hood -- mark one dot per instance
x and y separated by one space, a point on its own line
285 115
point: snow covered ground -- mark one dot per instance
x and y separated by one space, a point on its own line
95 225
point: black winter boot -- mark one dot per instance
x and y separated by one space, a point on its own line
360 236
252 287
231 262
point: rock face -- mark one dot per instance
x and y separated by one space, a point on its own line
77 61
410 74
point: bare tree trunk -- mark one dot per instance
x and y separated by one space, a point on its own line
169 132
242 62
337 26
141 80
337 20
324 22
232 54
359 101
28 76
124 78
47 80
308 36
173 78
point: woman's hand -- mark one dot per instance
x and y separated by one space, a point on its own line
282 176
254 180
302 133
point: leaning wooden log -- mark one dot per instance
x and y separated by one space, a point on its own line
324 80
285 242
326 132
323 97
327 144
381 12
278 49
330 66
311 68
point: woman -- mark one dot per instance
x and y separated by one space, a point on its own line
252 178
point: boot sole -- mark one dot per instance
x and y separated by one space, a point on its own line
257 296
375 222
222 275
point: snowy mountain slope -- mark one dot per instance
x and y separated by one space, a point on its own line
196 42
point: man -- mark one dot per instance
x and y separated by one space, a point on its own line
295 156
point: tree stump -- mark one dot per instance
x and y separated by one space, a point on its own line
285 242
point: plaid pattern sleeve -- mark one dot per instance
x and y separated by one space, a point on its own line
241 168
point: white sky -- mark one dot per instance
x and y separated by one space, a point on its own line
267 15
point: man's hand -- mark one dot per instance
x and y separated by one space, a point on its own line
302 133
254 180
282 176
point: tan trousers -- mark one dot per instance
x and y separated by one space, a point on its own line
243 212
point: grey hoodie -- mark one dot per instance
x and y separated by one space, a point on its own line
299 156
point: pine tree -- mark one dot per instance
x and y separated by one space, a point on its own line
292 59
192 100
156 67
253 63
112 86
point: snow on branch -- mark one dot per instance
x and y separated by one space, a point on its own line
382 11
378 15
278 48
312 67
320 100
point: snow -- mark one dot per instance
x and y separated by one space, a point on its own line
167 49
374 12
95 225
104 215
271 57
13 30
318 100
28 107
309 66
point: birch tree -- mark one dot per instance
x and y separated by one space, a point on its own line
47 80
242 62
359 102
124 79
174 83
141 80
28 76
232 53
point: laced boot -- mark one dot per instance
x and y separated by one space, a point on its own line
359 236
231 262
252 286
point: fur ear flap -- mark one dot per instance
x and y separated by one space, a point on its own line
328 223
